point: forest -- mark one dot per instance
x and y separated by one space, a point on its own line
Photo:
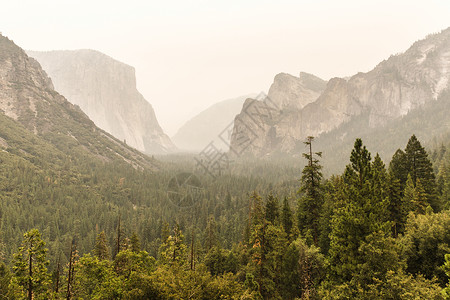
264 230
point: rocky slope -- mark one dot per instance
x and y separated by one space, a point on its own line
272 122
105 89
393 88
209 126
29 102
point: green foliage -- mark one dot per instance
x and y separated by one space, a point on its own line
173 250
310 204
101 250
30 266
303 270
421 169
287 220
426 241
272 209
368 249
361 212
95 279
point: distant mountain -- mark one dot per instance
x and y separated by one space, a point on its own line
41 126
395 87
206 127
105 89
430 123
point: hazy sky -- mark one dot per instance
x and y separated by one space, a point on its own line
191 54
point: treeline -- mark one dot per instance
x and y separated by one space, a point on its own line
373 232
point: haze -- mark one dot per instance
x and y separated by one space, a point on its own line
191 54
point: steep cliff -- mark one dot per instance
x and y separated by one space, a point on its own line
105 89
394 87
29 102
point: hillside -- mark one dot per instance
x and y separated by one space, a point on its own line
206 127
396 86
105 89
27 97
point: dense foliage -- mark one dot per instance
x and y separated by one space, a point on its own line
108 231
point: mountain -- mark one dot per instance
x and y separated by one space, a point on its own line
41 126
105 89
272 123
206 127
396 86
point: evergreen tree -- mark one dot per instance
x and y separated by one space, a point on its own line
398 168
30 266
272 209
286 217
310 204
358 173
420 203
420 167
135 243
101 249
173 250
361 211
397 207
211 233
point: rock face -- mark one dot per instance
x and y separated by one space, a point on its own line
211 125
105 89
393 88
27 96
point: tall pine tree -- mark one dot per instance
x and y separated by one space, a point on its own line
310 203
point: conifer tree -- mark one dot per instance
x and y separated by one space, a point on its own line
310 204
272 209
361 212
101 249
397 209
173 250
30 266
135 243
211 234
398 168
420 167
286 217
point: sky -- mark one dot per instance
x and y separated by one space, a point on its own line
190 54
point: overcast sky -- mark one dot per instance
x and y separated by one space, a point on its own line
191 54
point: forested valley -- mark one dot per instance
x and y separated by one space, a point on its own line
263 230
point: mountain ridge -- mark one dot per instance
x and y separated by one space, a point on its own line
105 89
395 86
27 97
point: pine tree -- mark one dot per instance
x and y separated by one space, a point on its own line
397 209
361 211
272 209
101 249
210 234
420 167
420 200
286 217
173 250
398 168
358 172
310 204
30 266
135 243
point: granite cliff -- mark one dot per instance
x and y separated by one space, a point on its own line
105 89
30 105
396 86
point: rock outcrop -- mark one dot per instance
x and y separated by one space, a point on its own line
27 96
393 88
105 89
